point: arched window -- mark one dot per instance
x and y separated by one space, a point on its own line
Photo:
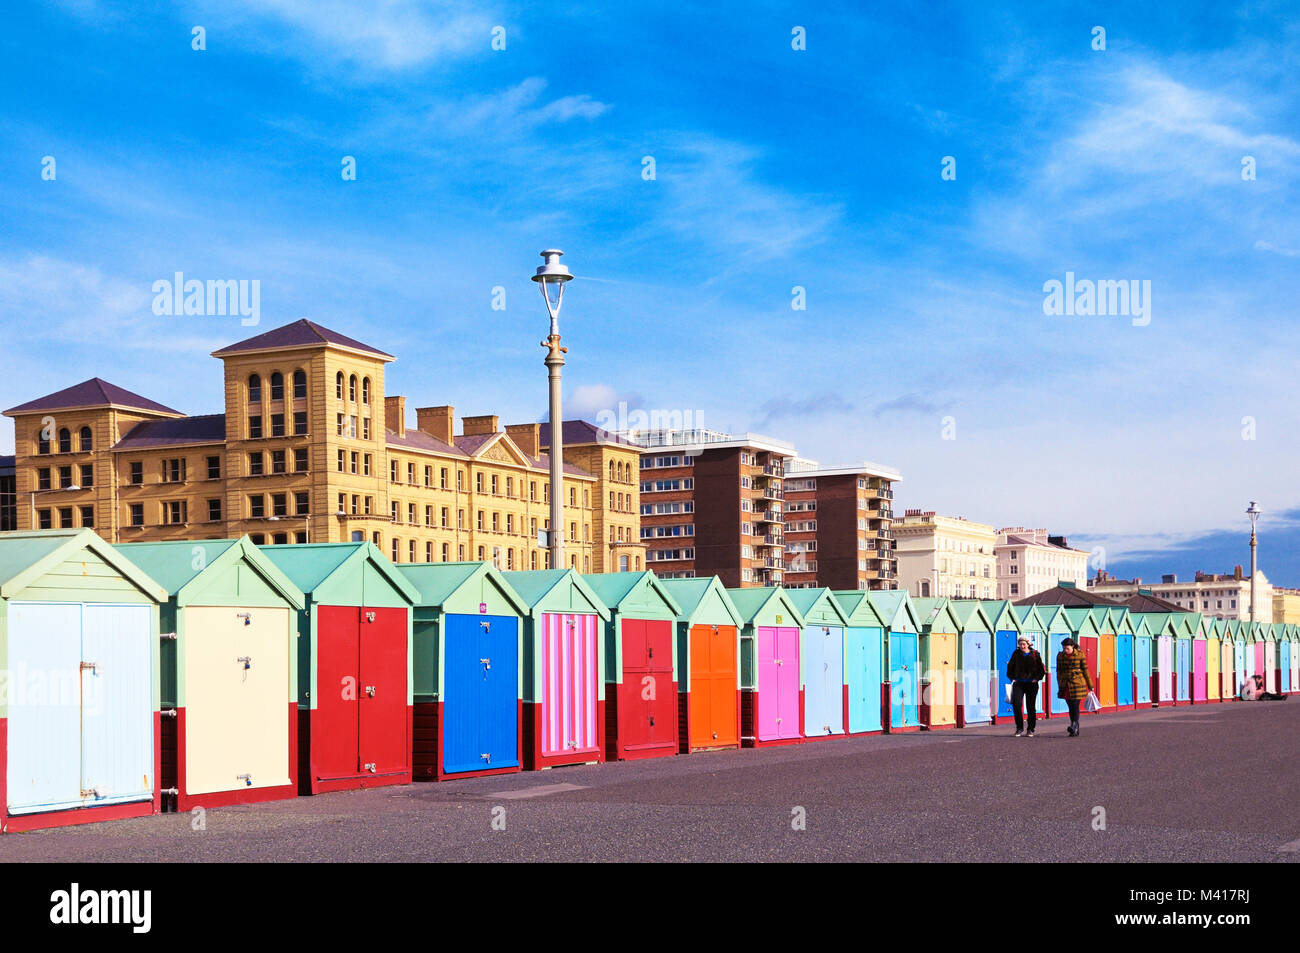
352 388
254 389
338 385
87 439
365 391
620 471
65 440
299 384
42 442
611 469
277 386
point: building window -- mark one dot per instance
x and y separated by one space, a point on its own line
397 512
342 461
137 516
259 539
65 440
445 516
214 510
428 476
279 504
254 426
300 460
214 468
277 461
442 479
397 552
338 385
428 552
392 471
299 384
43 478
365 464
174 511
410 513
410 550
87 439
495 486
255 506
365 391
478 483
410 473
88 516
299 422
428 516
255 463
446 552
301 504
277 386
87 475
352 388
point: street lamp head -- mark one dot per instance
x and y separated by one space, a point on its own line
551 276
1253 511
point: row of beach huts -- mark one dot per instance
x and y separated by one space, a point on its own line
151 677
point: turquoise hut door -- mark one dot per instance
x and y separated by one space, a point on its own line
862 673
903 712
1142 669
975 676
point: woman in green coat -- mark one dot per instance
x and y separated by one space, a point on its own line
1073 682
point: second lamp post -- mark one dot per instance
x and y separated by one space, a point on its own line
551 277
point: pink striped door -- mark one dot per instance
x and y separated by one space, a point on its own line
569 684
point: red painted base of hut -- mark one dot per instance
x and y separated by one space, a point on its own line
531 734
310 780
426 745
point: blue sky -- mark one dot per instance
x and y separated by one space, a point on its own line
775 168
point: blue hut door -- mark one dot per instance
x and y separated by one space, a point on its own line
1006 644
833 705
480 710
975 676
903 711
1124 669
862 672
1142 669
1184 668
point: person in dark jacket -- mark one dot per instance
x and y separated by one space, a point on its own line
1025 669
1073 681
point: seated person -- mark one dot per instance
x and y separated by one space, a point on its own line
1252 689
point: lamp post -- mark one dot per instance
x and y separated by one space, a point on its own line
551 277
1253 512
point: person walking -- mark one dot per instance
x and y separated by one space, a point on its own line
1073 681
1025 669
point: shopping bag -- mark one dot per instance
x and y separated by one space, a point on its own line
1007 692
1090 703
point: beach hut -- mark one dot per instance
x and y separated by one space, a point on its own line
1293 665
1199 690
821 655
1163 656
1185 625
354 674
708 664
229 675
1121 623
902 657
771 706
1084 631
866 697
1032 625
1269 634
466 665
1107 673
1241 657
1226 659
1213 658
564 668
640 665
1006 635
79 716
974 663
1142 678
939 633
1058 628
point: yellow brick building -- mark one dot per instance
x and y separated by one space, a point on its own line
311 449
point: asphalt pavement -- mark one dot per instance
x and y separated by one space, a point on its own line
1214 782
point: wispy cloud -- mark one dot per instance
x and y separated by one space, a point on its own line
817 405
913 403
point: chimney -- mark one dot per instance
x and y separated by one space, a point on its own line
437 422
528 437
1169 577
1236 572
395 415
481 426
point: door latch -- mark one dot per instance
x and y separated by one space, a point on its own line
246 778
246 616
487 756
652 721
370 617
369 767
90 667
650 653
487 626
486 663
247 660
370 690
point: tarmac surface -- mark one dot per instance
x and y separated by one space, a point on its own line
1216 782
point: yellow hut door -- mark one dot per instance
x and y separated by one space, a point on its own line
943 680
236 698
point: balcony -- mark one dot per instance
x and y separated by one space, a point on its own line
768 516
884 534
771 470
773 539
768 562
771 493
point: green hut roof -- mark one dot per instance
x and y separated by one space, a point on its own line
752 602
890 603
858 608
690 595
936 615
437 583
27 556
810 601
309 565
535 585
176 565
616 588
